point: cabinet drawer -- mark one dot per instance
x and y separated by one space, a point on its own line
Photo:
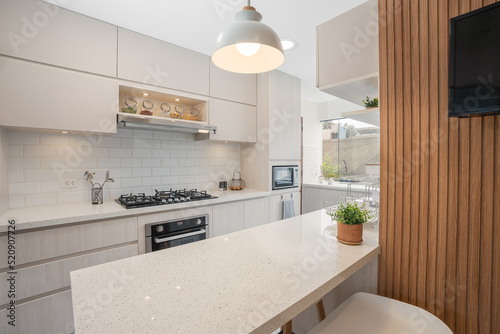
38 31
48 315
45 244
51 276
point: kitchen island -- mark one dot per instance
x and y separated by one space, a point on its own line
252 281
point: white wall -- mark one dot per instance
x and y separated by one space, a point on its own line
4 186
139 161
311 141
334 109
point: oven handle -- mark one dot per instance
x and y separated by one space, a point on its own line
202 231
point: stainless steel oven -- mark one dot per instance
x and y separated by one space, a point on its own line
285 177
177 232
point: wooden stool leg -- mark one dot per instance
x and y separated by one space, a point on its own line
287 329
320 309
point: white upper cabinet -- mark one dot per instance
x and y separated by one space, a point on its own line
235 87
347 62
38 31
40 96
235 122
154 62
284 117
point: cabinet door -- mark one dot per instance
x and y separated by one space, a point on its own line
256 212
41 32
296 200
275 208
235 87
51 314
235 122
45 97
284 117
151 61
46 277
227 218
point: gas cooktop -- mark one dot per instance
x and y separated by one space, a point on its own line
163 197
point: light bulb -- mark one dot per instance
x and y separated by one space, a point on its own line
248 49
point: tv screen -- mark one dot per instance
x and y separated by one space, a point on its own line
474 85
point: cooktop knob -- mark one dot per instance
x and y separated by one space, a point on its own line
159 228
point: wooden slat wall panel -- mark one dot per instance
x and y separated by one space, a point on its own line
384 143
440 200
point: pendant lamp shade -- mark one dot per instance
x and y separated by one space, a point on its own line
248 45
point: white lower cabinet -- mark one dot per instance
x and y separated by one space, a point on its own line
45 258
227 218
256 212
276 205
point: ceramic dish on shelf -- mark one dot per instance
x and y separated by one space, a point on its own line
130 106
164 109
148 106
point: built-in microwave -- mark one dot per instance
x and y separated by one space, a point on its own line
285 177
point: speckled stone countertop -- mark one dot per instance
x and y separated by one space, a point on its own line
52 215
252 281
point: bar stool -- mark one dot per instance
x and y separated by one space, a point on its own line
372 314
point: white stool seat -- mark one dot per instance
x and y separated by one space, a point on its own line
365 313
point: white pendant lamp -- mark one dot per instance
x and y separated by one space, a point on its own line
248 45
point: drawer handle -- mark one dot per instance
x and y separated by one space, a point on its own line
202 231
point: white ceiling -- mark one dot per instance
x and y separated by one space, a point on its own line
195 24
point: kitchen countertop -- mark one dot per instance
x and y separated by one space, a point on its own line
336 185
252 281
52 215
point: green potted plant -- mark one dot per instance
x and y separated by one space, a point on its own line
330 170
350 219
370 103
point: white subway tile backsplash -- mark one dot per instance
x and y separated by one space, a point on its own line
161 135
143 134
108 162
141 172
23 163
39 175
178 171
161 171
169 162
178 153
151 181
120 152
39 151
17 189
38 200
141 153
169 144
24 138
16 176
71 197
151 162
15 151
161 153
130 162
139 161
130 142
131 182
54 139
16 202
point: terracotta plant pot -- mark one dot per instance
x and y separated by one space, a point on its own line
350 234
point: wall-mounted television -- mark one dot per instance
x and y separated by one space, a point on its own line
474 77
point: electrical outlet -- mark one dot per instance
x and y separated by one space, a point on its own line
69 183
221 175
